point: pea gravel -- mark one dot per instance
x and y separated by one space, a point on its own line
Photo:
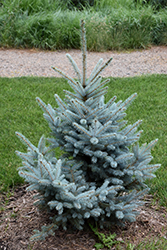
23 62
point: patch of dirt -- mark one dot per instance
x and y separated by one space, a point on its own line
19 217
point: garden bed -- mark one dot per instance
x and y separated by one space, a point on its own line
19 217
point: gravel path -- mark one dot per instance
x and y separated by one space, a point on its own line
15 62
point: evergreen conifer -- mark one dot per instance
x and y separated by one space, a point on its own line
101 176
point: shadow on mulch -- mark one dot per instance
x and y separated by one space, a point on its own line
19 217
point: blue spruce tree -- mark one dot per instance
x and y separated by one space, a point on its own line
101 175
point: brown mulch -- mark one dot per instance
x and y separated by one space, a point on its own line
19 217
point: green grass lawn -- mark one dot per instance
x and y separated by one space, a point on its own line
20 112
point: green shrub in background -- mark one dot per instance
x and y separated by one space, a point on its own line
30 7
110 25
79 4
157 4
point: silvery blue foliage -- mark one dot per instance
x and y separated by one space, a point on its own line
102 173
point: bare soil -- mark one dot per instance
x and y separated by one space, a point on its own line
19 217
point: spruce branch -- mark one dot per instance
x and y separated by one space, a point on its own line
60 103
97 87
93 84
70 79
129 100
25 141
101 69
90 82
27 166
46 167
76 69
93 113
72 95
83 48
44 107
